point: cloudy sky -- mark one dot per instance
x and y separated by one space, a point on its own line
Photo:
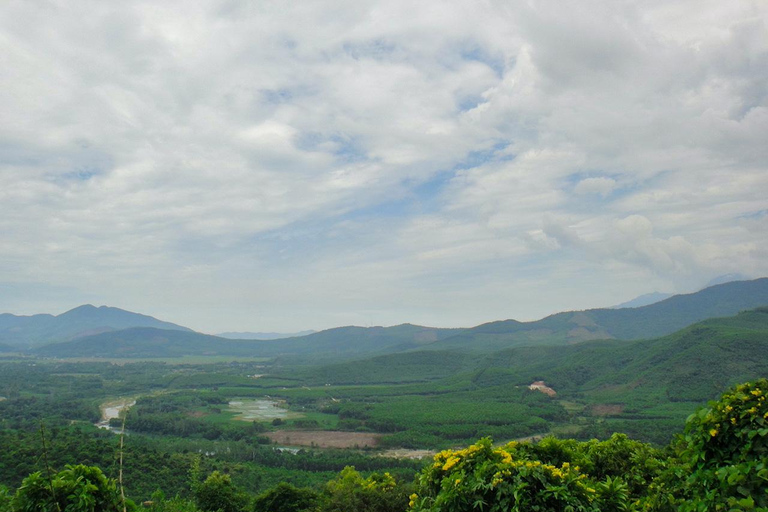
281 165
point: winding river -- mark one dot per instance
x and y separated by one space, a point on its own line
112 409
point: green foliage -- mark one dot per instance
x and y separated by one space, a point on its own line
159 503
218 493
350 492
77 488
285 498
725 449
5 499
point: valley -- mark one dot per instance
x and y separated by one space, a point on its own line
300 410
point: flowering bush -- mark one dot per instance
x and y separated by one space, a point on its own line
725 449
485 478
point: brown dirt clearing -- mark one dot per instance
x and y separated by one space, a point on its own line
606 409
324 438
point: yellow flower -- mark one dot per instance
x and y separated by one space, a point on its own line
450 463
733 421
756 392
713 432
457 482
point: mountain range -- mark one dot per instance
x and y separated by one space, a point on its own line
36 330
111 332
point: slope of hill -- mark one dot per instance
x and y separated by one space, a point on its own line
145 342
335 344
655 320
262 335
689 365
35 330
645 388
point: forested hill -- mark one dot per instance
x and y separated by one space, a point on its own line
333 344
658 319
25 331
693 364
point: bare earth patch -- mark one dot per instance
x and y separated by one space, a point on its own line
404 453
541 386
324 438
606 409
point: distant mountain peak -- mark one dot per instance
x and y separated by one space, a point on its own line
643 300
727 278
84 320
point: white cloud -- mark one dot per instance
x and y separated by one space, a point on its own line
392 161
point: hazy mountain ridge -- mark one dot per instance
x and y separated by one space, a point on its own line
245 335
344 343
35 330
334 344
652 321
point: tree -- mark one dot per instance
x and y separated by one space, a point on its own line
285 498
77 488
350 492
218 493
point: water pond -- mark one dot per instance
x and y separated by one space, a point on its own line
260 410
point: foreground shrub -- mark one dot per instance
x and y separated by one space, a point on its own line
218 494
285 498
724 450
485 478
350 492
75 489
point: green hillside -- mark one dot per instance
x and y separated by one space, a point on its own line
646 322
645 388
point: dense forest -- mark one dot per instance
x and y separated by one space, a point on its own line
719 462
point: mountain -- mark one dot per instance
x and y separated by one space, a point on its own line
655 320
342 343
692 364
345 343
262 335
643 300
645 388
726 278
36 330
145 342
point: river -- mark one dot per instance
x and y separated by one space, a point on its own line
112 409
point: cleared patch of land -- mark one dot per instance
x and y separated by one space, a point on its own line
404 453
324 438
606 409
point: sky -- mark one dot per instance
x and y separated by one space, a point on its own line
279 166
